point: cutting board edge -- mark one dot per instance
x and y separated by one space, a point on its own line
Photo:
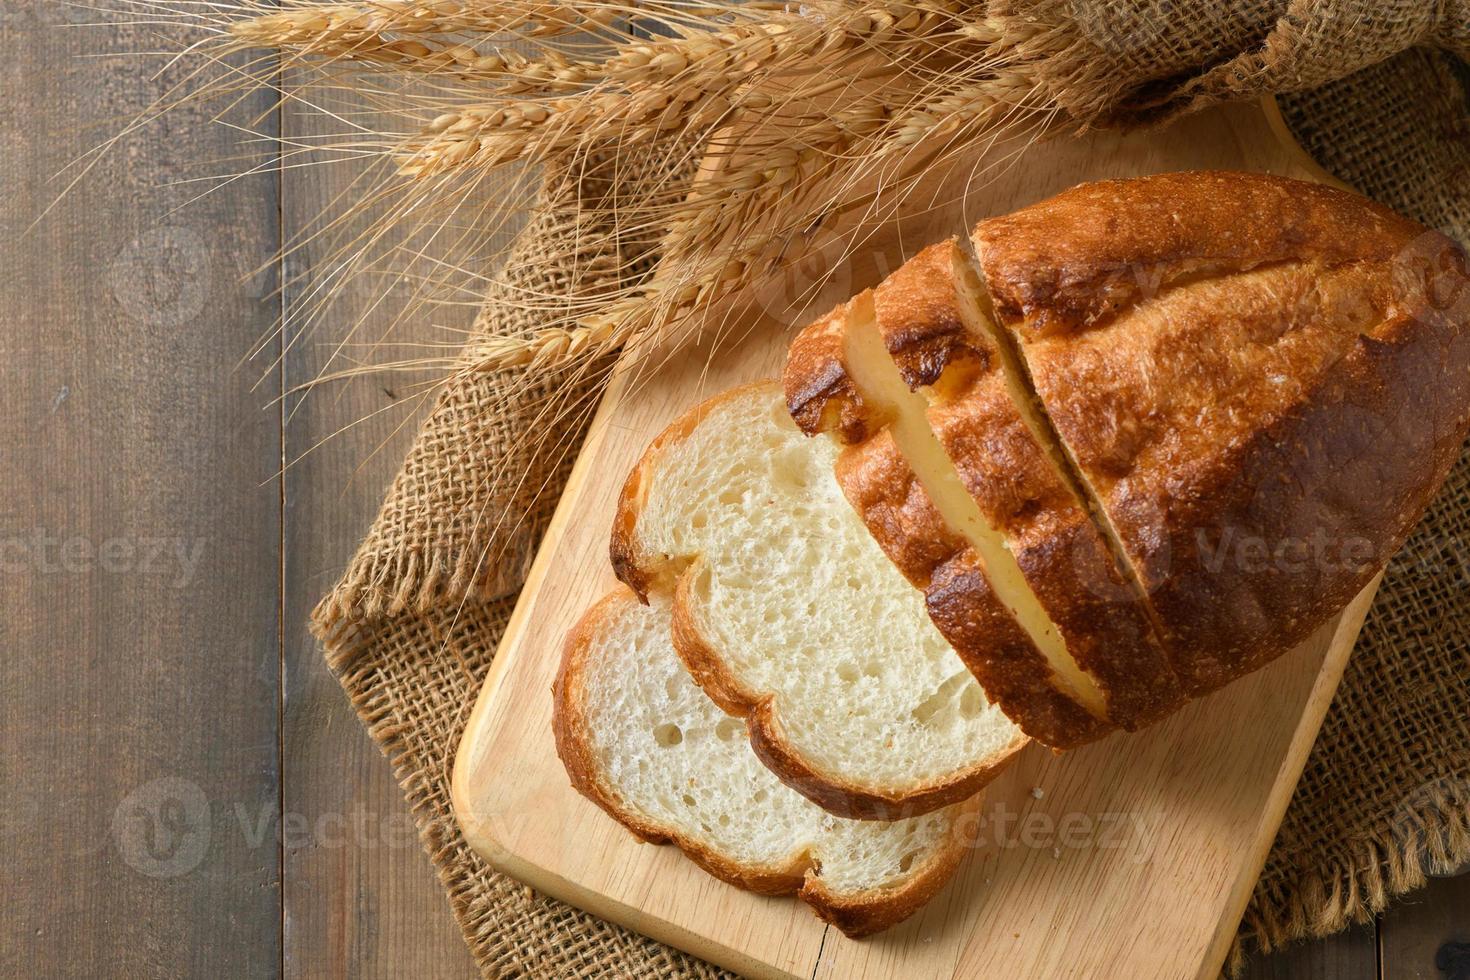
1334 663
515 626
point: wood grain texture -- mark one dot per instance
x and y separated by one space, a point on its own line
138 550
1426 934
360 896
123 420
1165 831
1349 955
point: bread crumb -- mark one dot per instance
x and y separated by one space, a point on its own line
1056 853
1037 792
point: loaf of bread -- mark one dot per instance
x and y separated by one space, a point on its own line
1248 386
642 741
1122 447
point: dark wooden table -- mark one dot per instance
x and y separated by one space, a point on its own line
187 791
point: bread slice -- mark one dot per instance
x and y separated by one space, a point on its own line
1260 381
974 427
786 612
640 740
947 449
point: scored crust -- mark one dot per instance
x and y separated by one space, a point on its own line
897 510
1019 486
1282 364
857 914
1065 561
958 595
1347 447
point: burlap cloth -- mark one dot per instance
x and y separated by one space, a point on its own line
1373 93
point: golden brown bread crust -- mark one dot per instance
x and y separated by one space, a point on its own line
887 495
819 394
1061 554
1195 340
1012 479
857 915
1250 430
1070 262
1003 660
919 317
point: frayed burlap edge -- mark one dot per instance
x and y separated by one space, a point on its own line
1362 877
465 512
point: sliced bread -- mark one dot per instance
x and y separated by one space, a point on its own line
941 449
787 612
640 740
1250 387
931 370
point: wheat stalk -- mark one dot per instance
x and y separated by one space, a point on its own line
696 83
346 29
789 102
791 176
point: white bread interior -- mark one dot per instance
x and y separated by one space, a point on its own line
660 756
788 611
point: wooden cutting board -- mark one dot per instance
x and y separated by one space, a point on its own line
1133 857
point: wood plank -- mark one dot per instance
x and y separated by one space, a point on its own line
1349 955
1426 934
139 532
1199 796
361 898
